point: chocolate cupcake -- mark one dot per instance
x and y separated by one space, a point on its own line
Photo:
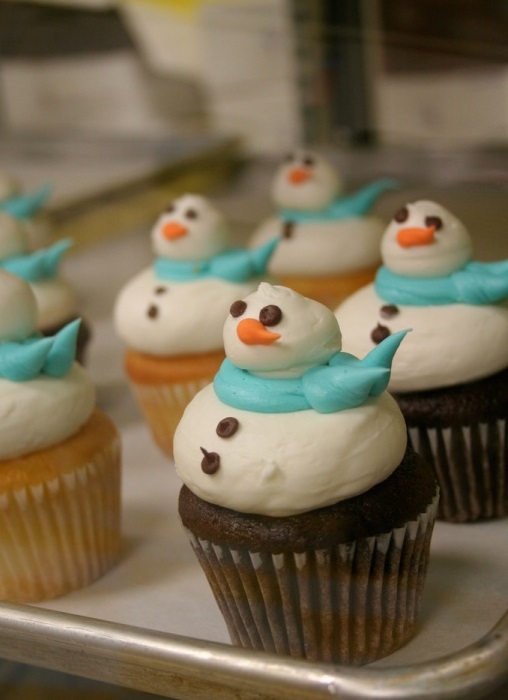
308 513
450 376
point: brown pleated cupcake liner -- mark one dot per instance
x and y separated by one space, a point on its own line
350 604
471 466
162 406
61 534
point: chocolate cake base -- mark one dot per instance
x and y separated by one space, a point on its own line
340 584
462 432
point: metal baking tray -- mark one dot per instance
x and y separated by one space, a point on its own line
152 624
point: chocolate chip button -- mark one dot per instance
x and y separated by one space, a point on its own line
153 311
160 290
227 427
379 333
388 311
210 462
288 228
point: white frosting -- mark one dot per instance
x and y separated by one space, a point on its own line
56 302
195 230
323 248
305 181
190 315
18 308
288 463
450 245
309 334
13 238
450 344
43 412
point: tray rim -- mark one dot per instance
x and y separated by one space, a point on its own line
176 666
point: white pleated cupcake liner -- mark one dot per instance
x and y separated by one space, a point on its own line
350 604
471 466
162 406
60 535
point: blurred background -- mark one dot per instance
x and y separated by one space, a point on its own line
109 99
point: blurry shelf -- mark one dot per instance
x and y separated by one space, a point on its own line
103 187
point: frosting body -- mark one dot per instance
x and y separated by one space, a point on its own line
323 247
450 343
42 412
288 463
189 316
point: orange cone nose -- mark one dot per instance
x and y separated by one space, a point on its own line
252 332
298 175
173 230
408 237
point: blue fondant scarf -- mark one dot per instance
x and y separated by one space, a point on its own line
476 283
233 265
357 204
345 382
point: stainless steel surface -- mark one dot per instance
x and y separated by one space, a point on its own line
190 669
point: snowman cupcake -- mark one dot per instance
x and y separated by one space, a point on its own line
59 460
171 314
28 208
329 240
309 515
56 299
450 376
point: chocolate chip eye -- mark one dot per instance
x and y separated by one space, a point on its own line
289 158
270 315
308 161
227 427
402 215
237 308
434 221
191 214
170 209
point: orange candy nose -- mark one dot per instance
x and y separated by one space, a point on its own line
173 230
252 332
298 175
408 237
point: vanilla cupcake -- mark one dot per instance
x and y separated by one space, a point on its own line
307 512
57 304
59 460
450 377
171 314
329 240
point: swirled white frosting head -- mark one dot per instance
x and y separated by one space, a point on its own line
305 180
190 228
18 308
13 240
425 240
306 332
